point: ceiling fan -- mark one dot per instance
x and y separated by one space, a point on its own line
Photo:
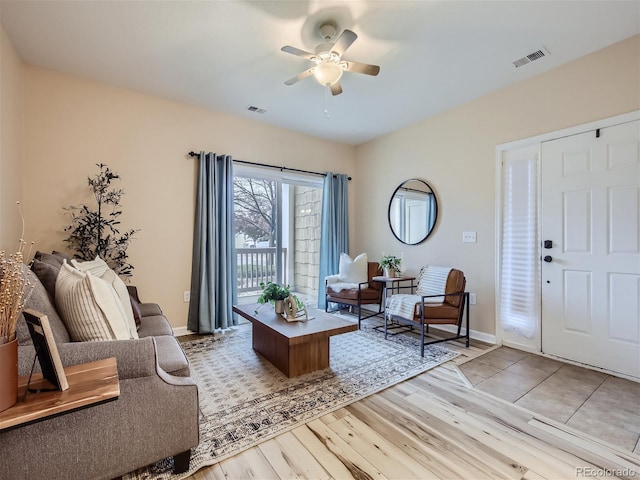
329 64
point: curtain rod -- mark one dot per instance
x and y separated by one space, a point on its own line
244 162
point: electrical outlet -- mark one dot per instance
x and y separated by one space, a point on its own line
186 296
472 298
469 237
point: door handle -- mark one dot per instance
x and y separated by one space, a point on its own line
547 258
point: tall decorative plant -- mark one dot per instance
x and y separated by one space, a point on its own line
96 231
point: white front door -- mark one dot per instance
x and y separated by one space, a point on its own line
591 272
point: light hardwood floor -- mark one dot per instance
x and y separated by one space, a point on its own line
434 426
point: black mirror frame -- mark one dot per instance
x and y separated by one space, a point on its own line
435 221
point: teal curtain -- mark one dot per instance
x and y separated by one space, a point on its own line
334 236
213 269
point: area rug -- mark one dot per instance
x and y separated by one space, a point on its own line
244 400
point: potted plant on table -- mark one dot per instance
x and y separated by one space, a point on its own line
391 265
274 294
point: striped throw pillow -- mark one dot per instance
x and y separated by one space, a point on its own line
89 307
99 268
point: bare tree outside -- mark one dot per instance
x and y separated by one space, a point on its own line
255 209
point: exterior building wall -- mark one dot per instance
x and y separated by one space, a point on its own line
307 218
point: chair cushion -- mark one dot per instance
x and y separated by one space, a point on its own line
353 270
352 294
437 311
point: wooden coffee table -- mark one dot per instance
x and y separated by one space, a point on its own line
293 347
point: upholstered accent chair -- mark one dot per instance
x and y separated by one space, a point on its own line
425 307
355 294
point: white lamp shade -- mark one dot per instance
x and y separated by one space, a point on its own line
327 72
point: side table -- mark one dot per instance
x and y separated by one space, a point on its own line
393 284
89 384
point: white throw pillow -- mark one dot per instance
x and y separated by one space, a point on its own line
353 270
99 268
89 307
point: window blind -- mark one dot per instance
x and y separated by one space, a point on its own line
519 276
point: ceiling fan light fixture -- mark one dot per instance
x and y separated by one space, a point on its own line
328 65
327 72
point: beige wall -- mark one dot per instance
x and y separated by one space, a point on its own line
11 143
72 124
455 153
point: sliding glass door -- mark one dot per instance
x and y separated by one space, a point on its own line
277 222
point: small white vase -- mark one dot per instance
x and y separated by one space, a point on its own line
390 272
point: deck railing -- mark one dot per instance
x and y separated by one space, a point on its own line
256 265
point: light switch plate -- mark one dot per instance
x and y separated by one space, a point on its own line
469 237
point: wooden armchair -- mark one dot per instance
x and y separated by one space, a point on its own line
450 307
365 293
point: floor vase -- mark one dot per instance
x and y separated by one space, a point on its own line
8 374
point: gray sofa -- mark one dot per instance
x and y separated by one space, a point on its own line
155 416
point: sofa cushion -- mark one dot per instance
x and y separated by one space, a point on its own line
152 326
48 258
47 273
89 306
171 357
100 269
38 299
62 256
150 310
135 307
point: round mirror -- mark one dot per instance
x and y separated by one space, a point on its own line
413 211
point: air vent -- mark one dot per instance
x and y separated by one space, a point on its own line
255 109
543 52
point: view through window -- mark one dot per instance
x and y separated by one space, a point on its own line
277 224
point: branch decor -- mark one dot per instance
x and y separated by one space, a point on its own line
96 232
15 286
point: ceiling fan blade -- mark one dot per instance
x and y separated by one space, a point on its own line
336 89
298 52
300 76
344 41
365 68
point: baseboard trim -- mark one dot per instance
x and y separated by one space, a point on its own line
181 331
475 334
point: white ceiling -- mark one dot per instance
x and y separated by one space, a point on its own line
225 55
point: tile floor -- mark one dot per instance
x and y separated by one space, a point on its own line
598 404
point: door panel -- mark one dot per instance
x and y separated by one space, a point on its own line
591 285
577 221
